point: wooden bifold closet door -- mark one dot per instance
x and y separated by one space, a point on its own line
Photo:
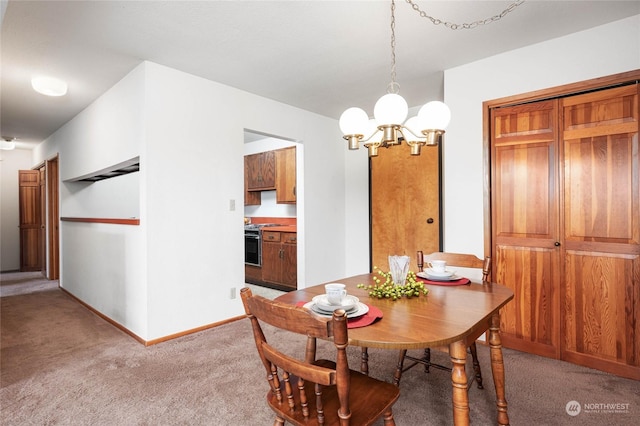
565 179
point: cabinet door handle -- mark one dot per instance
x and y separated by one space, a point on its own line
281 254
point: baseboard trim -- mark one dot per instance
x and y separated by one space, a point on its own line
153 341
193 330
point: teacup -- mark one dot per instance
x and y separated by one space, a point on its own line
335 293
438 265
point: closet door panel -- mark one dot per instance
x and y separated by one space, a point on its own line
601 292
525 224
599 308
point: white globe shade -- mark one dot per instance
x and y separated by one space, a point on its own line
435 115
354 121
390 109
415 126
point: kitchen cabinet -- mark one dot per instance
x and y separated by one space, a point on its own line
286 175
251 198
261 171
279 258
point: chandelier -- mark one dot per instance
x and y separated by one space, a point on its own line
388 127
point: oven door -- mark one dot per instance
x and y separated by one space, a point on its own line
252 249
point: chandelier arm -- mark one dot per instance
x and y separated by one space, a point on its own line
465 26
420 138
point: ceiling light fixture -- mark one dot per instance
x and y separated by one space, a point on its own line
8 143
49 86
388 127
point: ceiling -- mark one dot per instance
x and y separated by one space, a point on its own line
321 56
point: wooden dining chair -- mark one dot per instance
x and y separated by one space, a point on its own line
310 391
456 260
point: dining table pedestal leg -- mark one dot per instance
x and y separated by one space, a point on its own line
497 368
458 353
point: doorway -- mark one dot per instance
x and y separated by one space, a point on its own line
39 219
278 199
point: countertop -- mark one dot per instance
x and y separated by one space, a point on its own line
283 228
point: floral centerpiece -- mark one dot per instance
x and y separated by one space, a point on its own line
384 288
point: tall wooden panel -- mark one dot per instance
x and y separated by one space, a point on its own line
525 223
405 204
602 228
30 220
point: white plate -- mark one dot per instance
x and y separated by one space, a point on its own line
322 302
427 276
360 310
446 273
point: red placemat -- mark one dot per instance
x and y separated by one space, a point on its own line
367 319
461 281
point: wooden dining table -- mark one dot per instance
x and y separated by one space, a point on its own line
451 316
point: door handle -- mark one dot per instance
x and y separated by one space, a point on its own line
557 244
430 220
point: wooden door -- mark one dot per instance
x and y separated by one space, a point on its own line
405 204
53 219
42 239
30 220
601 293
525 230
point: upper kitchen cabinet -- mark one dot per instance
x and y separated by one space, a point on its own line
261 171
251 198
286 175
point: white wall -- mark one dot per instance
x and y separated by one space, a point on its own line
196 245
104 265
175 271
601 51
10 163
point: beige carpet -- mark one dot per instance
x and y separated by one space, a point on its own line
63 365
13 283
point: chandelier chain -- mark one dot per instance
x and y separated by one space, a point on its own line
465 26
393 87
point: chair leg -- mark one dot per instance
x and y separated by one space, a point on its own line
476 364
279 421
427 359
364 361
398 375
388 419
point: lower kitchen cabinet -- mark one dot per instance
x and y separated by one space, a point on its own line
279 258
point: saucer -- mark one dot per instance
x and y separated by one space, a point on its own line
358 310
446 273
348 303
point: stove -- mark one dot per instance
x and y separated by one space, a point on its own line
253 242
258 226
